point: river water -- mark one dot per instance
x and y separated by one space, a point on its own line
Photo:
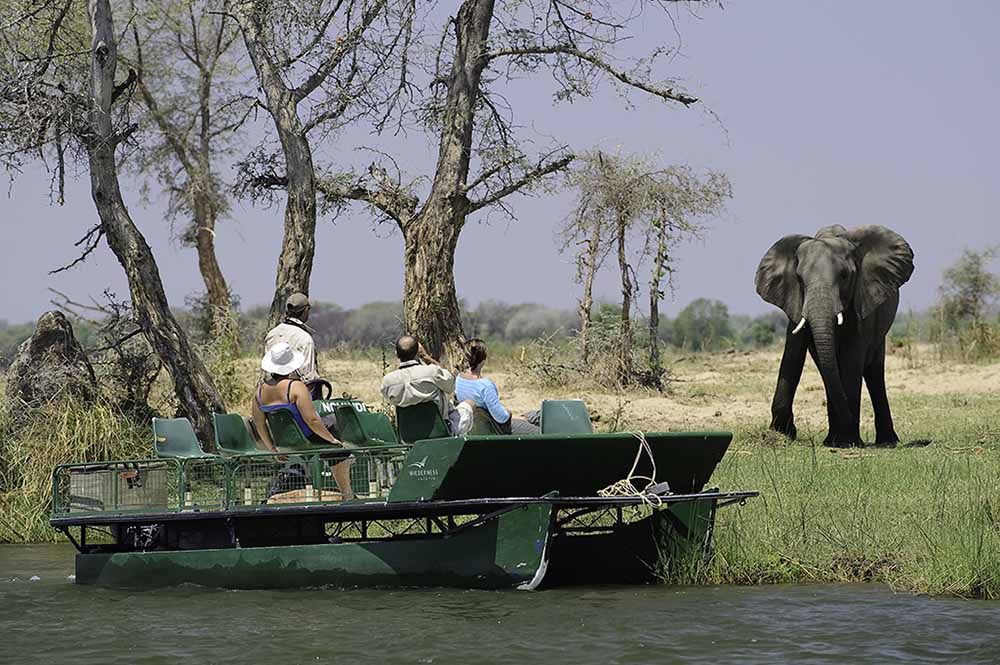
52 620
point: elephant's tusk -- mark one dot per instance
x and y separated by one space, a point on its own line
840 318
798 328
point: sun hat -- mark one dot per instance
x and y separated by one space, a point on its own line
282 359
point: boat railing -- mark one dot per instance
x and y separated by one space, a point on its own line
221 483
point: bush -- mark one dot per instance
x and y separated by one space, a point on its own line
702 326
964 319
374 324
760 331
534 321
488 320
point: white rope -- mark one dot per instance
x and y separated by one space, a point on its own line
626 486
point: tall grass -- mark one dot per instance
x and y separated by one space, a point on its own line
917 519
65 431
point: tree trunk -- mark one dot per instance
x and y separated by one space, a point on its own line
659 263
588 264
208 262
625 332
430 301
192 384
298 246
206 205
198 167
432 310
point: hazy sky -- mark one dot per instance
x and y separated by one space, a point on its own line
832 112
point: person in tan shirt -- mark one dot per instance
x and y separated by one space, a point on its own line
294 332
421 378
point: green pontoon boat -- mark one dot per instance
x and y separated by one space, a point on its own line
472 512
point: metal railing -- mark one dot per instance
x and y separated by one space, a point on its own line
223 483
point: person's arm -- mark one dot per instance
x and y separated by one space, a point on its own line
303 400
492 400
425 357
260 422
444 380
309 371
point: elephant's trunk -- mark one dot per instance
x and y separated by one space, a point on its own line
822 313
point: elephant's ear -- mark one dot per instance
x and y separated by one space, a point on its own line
776 280
885 262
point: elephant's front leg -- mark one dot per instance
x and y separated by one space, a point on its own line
847 430
875 380
792 360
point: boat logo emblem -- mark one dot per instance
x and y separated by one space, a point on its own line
421 464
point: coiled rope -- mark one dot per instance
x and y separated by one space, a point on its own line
626 486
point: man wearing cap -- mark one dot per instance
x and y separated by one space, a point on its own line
294 332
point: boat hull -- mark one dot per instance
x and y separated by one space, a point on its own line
509 550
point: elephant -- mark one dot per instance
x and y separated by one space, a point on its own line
840 291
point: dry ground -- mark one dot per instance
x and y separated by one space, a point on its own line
720 391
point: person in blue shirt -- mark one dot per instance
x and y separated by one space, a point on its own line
470 385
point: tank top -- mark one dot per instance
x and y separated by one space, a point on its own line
288 406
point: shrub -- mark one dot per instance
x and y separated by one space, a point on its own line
534 321
702 326
963 319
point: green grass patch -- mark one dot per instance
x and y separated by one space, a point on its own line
64 431
917 519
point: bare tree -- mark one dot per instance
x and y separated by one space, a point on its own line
586 232
682 204
188 80
318 63
573 40
622 198
58 93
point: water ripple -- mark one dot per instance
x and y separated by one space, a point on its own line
53 620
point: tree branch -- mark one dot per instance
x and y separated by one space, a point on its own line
392 200
534 175
317 38
668 93
124 85
89 242
344 46
346 100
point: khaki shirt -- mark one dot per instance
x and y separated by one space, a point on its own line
300 340
414 383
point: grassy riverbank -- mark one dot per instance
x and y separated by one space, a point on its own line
921 518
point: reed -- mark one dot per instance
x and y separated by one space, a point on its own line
62 432
917 519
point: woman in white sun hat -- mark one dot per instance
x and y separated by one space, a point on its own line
283 390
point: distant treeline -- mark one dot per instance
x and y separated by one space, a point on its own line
702 325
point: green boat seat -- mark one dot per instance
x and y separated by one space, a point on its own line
232 436
482 424
325 407
175 438
363 427
420 421
565 416
285 432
